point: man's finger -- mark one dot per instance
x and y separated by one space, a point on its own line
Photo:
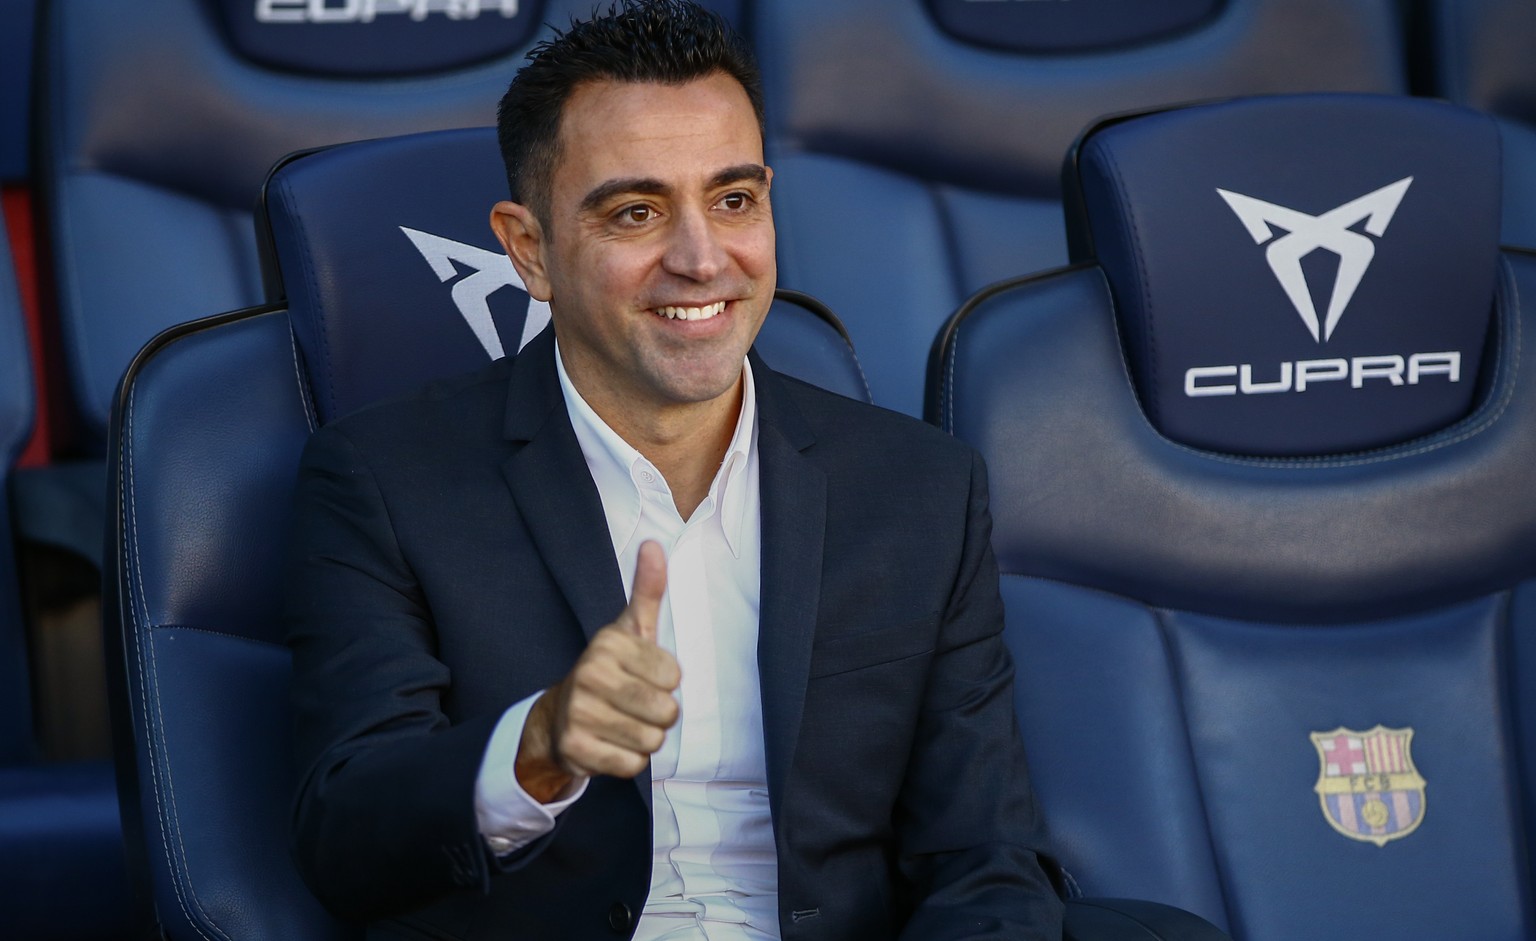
650 584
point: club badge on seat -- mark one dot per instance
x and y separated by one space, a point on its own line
1367 784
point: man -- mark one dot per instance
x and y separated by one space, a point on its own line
799 723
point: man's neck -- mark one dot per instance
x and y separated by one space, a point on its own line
686 447
686 441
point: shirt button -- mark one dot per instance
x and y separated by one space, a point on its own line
620 918
648 477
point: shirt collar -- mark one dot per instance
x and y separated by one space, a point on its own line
615 464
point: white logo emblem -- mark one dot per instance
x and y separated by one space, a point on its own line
366 11
1330 231
492 272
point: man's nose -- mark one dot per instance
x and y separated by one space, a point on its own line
694 250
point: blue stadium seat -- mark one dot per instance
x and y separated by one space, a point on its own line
1262 465
61 848
210 423
918 143
163 118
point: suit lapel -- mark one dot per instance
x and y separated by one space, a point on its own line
794 511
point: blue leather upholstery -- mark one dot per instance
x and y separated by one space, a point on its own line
16 31
154 116
59 828
210 424
1201 633
914 166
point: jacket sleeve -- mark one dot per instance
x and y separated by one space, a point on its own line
384 819
971 840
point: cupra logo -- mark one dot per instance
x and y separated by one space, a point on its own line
366 11
491 271
1306 234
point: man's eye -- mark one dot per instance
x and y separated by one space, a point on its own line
735 201
636 214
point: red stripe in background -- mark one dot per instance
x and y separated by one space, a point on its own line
17 205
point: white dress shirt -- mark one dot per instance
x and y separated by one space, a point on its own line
714 871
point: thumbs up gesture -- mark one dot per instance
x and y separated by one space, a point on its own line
612 711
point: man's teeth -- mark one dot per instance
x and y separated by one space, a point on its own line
691 313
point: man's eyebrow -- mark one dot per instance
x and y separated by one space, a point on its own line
649 186
606 191
741 173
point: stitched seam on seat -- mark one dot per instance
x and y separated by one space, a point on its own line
1173 657
314 299
949 378
869 395
162 803
310 418
1153 388
1516 335
275 645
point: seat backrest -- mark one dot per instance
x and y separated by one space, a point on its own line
1261 465
212 417
917 144
163 119
17 741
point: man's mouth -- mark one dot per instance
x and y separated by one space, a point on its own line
692 313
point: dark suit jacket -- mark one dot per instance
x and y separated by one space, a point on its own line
450 557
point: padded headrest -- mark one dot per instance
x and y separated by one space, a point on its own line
376 37
384 252
1085 25
1296 275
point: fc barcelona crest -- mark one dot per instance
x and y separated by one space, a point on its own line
1367 783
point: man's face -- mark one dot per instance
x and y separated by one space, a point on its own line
658 257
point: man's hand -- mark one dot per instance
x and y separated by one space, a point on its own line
612 711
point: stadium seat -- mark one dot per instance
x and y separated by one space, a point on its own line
59 830
1262 464
917 143
162 119
387 282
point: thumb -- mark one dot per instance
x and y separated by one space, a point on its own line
650 584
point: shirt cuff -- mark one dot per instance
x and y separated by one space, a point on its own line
508 817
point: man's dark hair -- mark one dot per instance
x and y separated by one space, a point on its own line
669 42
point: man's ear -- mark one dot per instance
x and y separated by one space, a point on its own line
523 239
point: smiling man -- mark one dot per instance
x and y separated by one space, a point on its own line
630 634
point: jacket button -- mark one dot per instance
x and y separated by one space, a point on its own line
620 918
